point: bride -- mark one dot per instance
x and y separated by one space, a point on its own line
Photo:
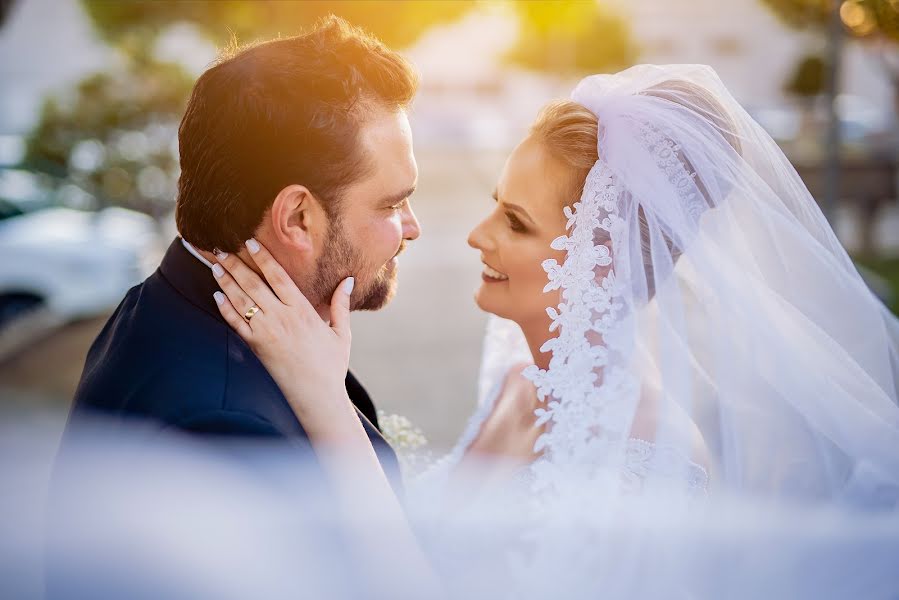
673 317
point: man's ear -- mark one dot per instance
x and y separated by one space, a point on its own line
297 218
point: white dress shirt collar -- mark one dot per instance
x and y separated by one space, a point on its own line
195 252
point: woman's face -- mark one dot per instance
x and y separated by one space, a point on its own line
515 237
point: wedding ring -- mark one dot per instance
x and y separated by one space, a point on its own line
250 312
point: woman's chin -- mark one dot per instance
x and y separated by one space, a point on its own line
490 304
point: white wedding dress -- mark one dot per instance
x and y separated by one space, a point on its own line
700 273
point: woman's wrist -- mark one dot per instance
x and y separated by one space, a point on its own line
325 412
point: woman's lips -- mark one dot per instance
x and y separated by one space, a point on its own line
491 275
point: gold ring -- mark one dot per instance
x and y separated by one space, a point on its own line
250 312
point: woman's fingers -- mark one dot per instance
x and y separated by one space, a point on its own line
251 283
276 276
237 297
231 316
340 308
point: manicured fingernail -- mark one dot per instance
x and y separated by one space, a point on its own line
348 285
220 255
219 298
252 246
217 270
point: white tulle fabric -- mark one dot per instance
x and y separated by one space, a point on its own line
704 299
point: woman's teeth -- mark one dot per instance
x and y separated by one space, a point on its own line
494 274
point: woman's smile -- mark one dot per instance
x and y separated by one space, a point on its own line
491 275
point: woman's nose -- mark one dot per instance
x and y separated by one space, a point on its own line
477 237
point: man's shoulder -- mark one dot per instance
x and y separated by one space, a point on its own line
197 395
152 327
155 351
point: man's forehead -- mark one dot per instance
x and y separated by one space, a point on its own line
383 126
386 142
389 148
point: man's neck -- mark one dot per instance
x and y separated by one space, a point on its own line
208 259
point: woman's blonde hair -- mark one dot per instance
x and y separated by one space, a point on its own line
568 131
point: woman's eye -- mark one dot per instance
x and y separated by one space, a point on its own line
515 223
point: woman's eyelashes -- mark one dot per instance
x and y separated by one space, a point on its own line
515 223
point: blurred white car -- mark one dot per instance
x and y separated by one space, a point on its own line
72 263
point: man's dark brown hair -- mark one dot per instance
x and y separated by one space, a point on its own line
277 113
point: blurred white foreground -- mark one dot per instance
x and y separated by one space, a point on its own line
149 517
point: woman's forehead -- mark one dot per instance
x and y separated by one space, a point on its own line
533 178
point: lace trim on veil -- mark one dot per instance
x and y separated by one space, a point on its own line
590 389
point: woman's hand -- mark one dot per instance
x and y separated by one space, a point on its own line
504 444
307 357
510 432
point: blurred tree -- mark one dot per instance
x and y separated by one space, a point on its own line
397 23
5 10
114 134
801 13
874 22
808 78
862 18
571 37
807 83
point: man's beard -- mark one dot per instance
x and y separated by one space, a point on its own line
339 260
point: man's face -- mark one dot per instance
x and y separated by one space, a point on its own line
375 218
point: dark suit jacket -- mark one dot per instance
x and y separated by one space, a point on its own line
167 356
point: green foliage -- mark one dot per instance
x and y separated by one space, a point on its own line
861 18
397 23
802 14
571 37
888 270
808 79
113 135
886 15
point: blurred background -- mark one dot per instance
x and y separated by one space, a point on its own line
93 92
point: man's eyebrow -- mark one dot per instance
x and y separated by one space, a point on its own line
397 198
513 207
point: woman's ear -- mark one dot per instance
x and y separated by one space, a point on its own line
297 218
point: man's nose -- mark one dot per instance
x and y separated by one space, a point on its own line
411 226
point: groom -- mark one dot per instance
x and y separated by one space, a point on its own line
303 144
